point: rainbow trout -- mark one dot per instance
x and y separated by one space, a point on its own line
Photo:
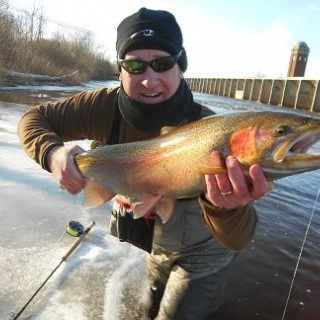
173 165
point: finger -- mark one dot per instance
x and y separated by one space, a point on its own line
71 178
214 195
222 179
74 191
259 182
72 186
76 177
213 189
224 183
237 178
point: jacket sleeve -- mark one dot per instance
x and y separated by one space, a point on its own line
86 115
232 228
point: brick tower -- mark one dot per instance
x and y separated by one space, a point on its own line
298 60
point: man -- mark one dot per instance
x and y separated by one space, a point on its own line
190 253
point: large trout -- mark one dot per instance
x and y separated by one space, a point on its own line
173 165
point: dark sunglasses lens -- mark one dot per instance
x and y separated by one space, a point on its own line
163 64
133 66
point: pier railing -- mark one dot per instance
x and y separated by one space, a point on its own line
296 93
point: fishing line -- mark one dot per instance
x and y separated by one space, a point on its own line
300 254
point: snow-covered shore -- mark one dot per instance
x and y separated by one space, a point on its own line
34 213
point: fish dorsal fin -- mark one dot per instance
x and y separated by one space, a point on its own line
166 129
212 164
95 194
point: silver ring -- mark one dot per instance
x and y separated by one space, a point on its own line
226 193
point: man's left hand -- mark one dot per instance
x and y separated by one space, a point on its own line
231 190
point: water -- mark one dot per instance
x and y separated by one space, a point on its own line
105 279
258 283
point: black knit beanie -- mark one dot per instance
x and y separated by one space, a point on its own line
151 29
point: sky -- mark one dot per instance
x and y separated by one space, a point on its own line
227 38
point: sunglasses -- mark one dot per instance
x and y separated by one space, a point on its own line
160 65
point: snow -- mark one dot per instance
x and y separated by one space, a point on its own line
34 213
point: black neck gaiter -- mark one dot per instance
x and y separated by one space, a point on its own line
152 117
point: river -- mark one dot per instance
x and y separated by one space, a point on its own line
277 276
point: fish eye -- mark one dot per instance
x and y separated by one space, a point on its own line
283 130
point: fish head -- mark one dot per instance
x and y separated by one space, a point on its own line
279 142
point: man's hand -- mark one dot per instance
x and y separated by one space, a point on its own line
230 190
64 169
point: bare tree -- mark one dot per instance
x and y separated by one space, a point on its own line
8 31
34 22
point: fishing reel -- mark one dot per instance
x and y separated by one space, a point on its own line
75 228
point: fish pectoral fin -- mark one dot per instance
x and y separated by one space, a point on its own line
211 170
161 206
271 185
165 209
144 206
95 194
214 164
166 129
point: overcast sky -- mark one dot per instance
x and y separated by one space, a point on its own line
227 38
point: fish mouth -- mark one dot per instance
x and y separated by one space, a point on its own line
296 148
291 157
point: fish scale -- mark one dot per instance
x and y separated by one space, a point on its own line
172 166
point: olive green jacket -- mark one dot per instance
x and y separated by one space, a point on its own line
90 115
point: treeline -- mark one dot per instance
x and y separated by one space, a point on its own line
24 48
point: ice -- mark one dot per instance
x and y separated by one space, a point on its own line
34 213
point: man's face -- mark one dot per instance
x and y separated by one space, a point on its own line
150 86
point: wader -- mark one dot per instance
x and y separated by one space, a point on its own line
185 265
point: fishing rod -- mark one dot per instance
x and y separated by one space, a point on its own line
75 229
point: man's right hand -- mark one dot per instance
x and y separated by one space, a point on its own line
64 169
